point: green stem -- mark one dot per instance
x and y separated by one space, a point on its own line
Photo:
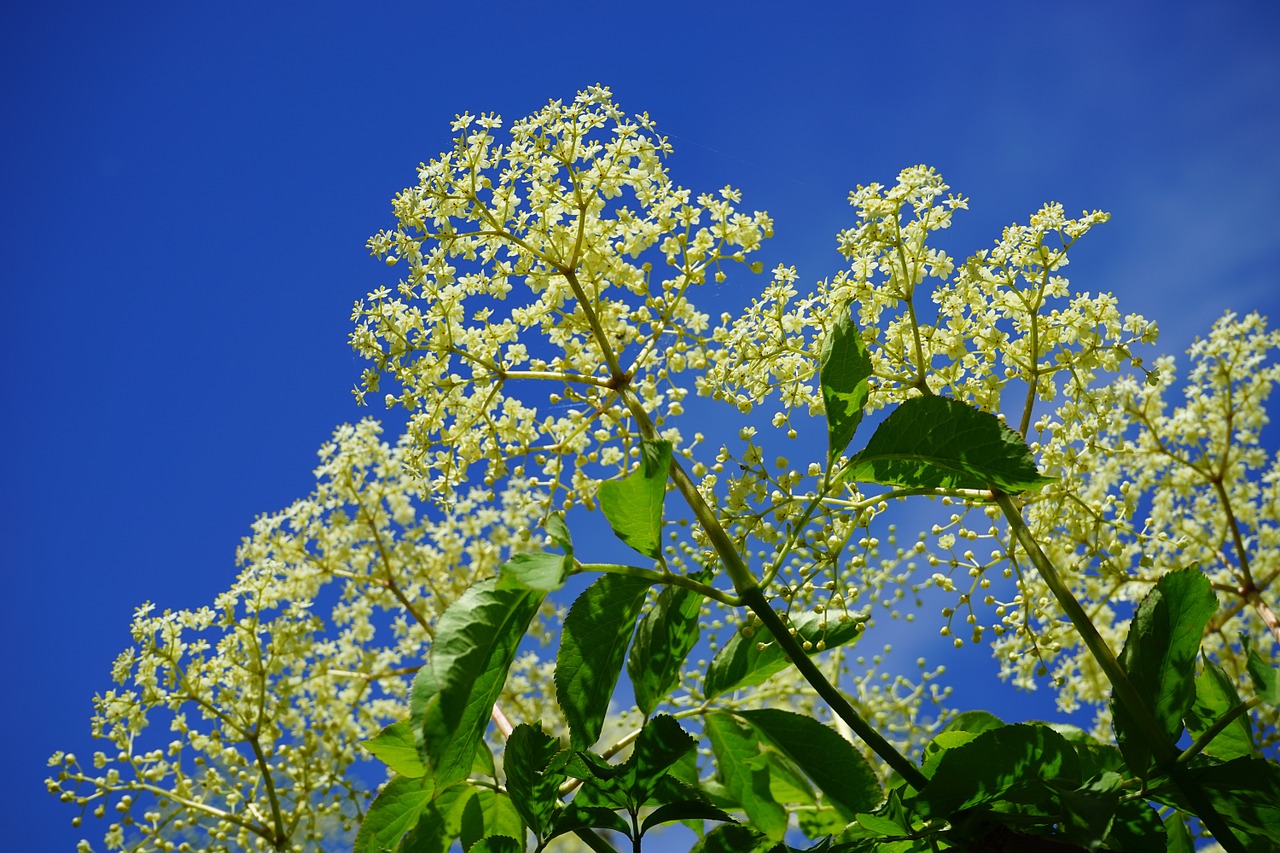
668 578
1163 751
755 599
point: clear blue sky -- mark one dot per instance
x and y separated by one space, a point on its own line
187 190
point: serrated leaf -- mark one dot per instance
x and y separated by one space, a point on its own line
592 647
540 571
440 821
1179 836
453 694
534 786
1215 696
659 748
734 838
1159 657
881 825
938 443
830 761
396 747
497 844
633 504
737 746
995 762
487 814
666 634
682 811
1246 793
844 374
393 812
742 663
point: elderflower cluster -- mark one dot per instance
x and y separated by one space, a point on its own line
236 727
561 252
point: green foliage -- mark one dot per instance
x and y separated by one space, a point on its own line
935 443
757 559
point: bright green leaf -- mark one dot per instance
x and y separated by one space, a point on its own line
683 811
1179 835
489 813
666 634
1215 696
440 822
935 442
396 747
830 761
845 371
1160 655
393 812
736 746
453 694
995 762
540 571
633 504
593 645
742 663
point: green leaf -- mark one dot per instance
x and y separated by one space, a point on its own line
396 747
534 787
994 763
664 638
742 663
497 844
487 814
633 504
592 647
453 694
1180 841
682 811
737 749
734 838
440 821
830 761
882 825
1246 793
975 722
1215 696
393 812
937 443
1265 677
661 745
844 373
541 571
1159 657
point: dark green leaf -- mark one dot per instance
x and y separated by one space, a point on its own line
993 764
1265 677
742 663
633 504
1136 828
497 844
396 747
830 761
534 788
664 638
1246 793
593 645
936 442
453 694
1160 655
845 369
681 811
1215 697
575 817
393 812
659 748
737 750
735 838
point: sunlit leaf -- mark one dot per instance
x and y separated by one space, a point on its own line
666 634
633 504
745 661
844 373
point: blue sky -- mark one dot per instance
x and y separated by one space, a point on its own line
187 190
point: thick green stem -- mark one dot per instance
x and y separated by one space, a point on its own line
1163 750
